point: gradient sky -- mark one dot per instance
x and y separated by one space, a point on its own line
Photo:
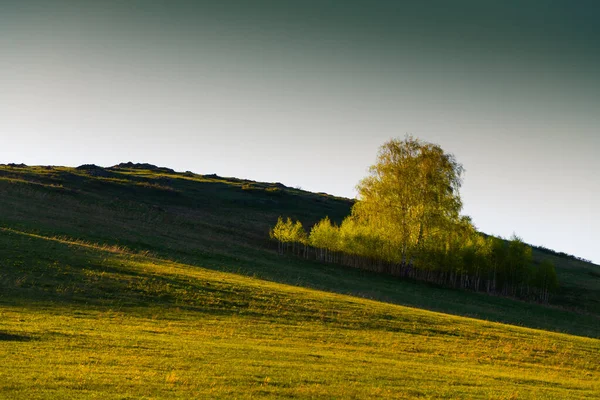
304 92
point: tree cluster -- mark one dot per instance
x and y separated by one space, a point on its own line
407 223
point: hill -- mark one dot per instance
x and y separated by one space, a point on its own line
224 223
138 281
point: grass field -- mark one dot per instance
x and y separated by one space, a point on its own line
150 284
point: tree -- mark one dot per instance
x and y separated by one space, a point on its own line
407 223
518 265
279 233
288 232
411 192
546 280
325 236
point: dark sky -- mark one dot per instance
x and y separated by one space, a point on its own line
304 92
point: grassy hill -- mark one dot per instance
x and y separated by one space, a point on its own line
138 281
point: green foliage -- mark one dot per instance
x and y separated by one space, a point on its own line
408 223
546 279
411 193
280 231
289 231
324 235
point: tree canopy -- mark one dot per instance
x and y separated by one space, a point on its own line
411 193
407 222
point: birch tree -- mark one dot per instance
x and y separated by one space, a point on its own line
410 192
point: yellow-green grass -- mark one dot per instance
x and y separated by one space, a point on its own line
84 321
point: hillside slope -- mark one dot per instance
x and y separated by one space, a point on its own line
80 320
139 282
223 223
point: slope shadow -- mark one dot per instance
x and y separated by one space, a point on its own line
63 273
11 337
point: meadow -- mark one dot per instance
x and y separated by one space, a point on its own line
145 283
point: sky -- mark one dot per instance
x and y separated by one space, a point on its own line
305 92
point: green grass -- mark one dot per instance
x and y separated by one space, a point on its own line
150 284
85 321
